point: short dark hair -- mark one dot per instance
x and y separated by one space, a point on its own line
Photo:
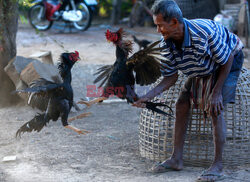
168 8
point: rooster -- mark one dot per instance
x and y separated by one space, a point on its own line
60 96
119 78
141 43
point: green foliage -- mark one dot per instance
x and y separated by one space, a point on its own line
23 8
106 7
24 5
23 19
126 8
25 2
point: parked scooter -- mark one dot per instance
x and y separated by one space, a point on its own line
45 12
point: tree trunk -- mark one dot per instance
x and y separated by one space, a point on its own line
116 12
8 30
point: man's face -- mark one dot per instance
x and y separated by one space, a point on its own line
167 29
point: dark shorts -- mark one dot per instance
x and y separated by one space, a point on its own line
230 84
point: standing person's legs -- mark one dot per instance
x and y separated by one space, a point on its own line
219 125
219 135
214 172
175 162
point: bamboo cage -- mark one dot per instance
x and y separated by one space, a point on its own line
156 131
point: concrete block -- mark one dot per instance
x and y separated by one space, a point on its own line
46 56
36 70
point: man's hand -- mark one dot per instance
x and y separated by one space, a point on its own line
165 84
215 104
141 102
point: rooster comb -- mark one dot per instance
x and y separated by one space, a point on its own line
114 36
74 56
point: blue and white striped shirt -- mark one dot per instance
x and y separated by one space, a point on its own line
206 46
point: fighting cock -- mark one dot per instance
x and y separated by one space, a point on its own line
119 79
141 43
59 93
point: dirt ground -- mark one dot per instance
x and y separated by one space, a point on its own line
110 152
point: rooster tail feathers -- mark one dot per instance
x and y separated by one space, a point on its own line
103 73
35 124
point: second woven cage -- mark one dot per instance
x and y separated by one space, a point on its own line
156 131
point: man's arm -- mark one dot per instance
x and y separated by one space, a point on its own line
216 101
165 84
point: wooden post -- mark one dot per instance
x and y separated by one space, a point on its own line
116 12
247 26
222 4
241 19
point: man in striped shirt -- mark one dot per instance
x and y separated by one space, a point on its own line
202 50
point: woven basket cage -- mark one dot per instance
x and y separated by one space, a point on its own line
156 131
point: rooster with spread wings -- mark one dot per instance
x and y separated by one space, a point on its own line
59 95
118 79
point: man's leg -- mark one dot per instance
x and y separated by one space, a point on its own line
182 117
219 135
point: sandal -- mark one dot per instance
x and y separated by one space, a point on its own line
161 168
210 176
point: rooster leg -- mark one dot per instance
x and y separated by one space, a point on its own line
90 103
64 117
76 106
79 116
84 132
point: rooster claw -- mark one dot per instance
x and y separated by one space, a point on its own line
18 133
79 116
90 103
83 132
84 102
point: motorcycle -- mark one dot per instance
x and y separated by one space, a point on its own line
44 12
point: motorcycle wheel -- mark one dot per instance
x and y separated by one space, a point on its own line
38 19
85 22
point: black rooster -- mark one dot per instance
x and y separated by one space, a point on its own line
119 79
59 93
141 43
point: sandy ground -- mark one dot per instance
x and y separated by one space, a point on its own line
110 152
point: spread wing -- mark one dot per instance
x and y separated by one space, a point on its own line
40 90
146 64
104 74
41 86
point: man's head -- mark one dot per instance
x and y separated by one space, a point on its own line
167 16
168 8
